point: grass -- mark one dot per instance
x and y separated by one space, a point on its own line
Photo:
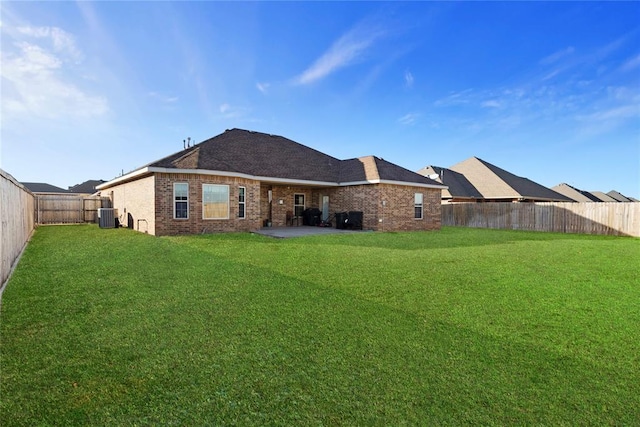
460 326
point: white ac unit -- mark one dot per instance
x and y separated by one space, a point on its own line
107 217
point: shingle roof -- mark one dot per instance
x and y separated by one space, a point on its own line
271 156
496 183
87 187
574 193
42 187
382 169
602 197
255 153
459 185
617 196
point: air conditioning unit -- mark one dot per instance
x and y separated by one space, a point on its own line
107 217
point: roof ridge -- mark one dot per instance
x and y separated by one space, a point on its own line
372 172
272 135
491 166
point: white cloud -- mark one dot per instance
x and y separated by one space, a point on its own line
228 111
606 119
262 87
556 56
408 79
492 103
345 51
62 41
614 114
163 98
408 119
38 79
631 64
456 98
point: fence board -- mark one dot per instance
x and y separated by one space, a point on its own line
610 218
17 221
68 209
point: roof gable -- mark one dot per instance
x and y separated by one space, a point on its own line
496 183
42 187
391 172
602 197
271 156
87 187
574 193
459 185
618 196
258 154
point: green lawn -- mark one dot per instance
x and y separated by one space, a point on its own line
459 326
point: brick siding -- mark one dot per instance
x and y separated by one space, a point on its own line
397 211
166 224
134 202
137 206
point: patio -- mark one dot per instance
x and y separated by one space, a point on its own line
300 231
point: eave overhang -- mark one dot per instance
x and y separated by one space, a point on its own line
148 170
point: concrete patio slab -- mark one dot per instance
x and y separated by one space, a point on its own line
299 231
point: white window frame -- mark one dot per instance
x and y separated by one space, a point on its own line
418 203
304 201
204 186
242 201
176 201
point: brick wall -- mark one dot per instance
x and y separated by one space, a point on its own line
286 195
135 204
397 214
397 211
195 224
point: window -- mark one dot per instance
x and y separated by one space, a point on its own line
298 204
215 201
241 202
417 204
181 200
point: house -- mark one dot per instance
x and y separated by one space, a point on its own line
44 188
603 197
459 188
593 196
618 197
241 180
476 180
575 194
87 187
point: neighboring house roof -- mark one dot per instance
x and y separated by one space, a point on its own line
278 159
602 196
617 196
496 183
459 185
87 187
371 168
574 193
41 187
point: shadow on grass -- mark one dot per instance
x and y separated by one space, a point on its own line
174 332
447 237
269 348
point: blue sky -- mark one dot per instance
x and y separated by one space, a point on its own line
546 90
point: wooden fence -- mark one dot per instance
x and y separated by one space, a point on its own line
68 209
17 218
620 219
